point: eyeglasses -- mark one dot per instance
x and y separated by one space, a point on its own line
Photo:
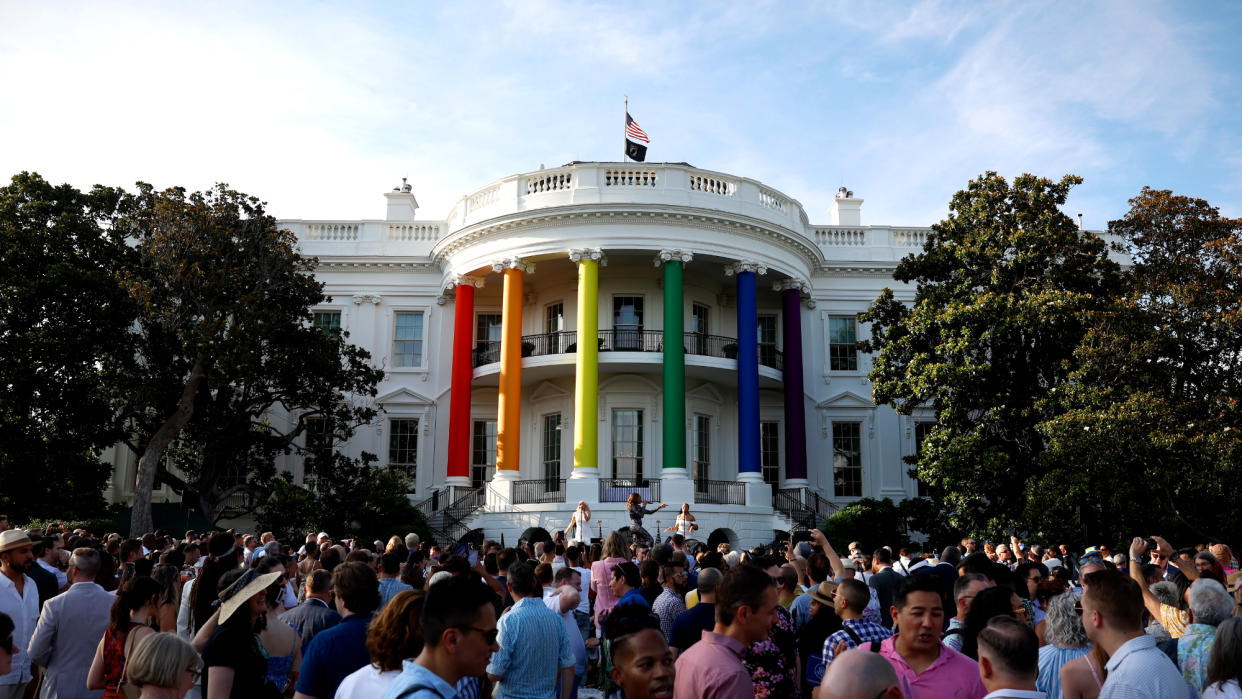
195 673
489 635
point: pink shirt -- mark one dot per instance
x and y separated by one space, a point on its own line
601 575
712 669
951 675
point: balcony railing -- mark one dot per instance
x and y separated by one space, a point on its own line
719 492
619 489
627 340
541 490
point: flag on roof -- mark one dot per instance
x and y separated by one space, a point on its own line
633 133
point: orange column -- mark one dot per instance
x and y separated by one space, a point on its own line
509 408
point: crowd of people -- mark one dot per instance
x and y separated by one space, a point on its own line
225 614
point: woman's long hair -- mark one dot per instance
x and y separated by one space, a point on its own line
396 634
169 579
1225 663
614 546
223 556
989 603
131 598
1063 627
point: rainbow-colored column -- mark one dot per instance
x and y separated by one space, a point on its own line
791 291
586 377
509 406
748 456
674 369
463 372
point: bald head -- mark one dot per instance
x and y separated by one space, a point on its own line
859 673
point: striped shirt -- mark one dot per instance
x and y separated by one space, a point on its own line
1051 660
667 606
525 663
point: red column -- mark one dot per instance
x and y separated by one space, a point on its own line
459 392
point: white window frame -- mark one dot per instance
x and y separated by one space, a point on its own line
423 364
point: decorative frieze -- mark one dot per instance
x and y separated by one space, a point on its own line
374 299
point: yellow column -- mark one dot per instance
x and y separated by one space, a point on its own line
509 407
586 378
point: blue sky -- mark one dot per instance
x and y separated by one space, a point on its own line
319 108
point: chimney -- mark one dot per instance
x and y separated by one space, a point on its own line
845 209
401 203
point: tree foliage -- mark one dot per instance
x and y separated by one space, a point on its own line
1004 290
1149 437
65 336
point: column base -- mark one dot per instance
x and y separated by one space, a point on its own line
584 472
674 474
499 494
505 475
750 477
796 483
676 491
583 487
458 482
758 494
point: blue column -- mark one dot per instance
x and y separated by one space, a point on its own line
747 373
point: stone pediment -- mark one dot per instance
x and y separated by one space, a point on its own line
846 399
403 396
548 390
705 392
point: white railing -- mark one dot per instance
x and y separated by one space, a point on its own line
414 231
713 185
841 237
332 230
618 177
551 182
484 197
772 200
910 237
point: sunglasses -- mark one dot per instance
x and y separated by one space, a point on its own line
489 635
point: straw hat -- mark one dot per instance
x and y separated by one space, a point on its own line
247 586
823 593
14 539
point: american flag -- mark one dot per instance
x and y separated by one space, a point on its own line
634 131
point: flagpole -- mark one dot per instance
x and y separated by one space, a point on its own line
624 154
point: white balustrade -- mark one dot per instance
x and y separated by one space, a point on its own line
841 237
550 182
484 197
627 177
713 185
332 231
414 231
772 200
910 237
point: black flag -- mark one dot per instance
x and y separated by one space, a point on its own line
635 151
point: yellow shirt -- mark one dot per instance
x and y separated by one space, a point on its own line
1173 620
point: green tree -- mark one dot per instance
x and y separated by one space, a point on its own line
872 523
1150 434
230 371
1004 290
65 335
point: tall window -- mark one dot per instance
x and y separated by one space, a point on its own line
407 341
770 452
551 451
767 340
488 327
403 445
702 446
847 459
554 325
842 338
700 326
627 444
921 430
328 321
627 322
482 452
318 439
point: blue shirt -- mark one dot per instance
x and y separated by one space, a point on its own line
689 626
388 588
800 610
417 682
334 654
634 596
526 663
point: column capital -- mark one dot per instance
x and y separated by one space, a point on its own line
513 263
803 288
457 280
682 256
374 299
745 266
580 254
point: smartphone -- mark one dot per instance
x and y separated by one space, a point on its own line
1151 545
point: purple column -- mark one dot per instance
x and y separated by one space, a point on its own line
795 407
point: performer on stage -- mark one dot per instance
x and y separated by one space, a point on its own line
582 515
684 524
637 510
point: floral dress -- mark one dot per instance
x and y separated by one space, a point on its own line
773 663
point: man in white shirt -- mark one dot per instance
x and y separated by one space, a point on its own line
1009 659
582 615
564 600
1112 614
48 558
19 599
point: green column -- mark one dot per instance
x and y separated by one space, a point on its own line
674 365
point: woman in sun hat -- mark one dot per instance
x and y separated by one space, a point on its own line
234 657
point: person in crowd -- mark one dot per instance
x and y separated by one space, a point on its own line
637 508
684 524
1067 641
822 623
48 558
859 673
459 635
624 585
671 601
790 589
1210 605
315 613
649 574
281 642
234 659
921 661
342 649
534 647
45 581
849 600
19 600
576 531
601 576
130 620
1112 614
563 600
389 584
965 588
990 602
223 555
169 579
773 661
582 614
64 639
883 580
163 666
1009 658
395 636
689 625
1224 670
1174 618
7 648
746 603
818 570
642 663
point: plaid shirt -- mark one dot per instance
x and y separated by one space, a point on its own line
867 631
